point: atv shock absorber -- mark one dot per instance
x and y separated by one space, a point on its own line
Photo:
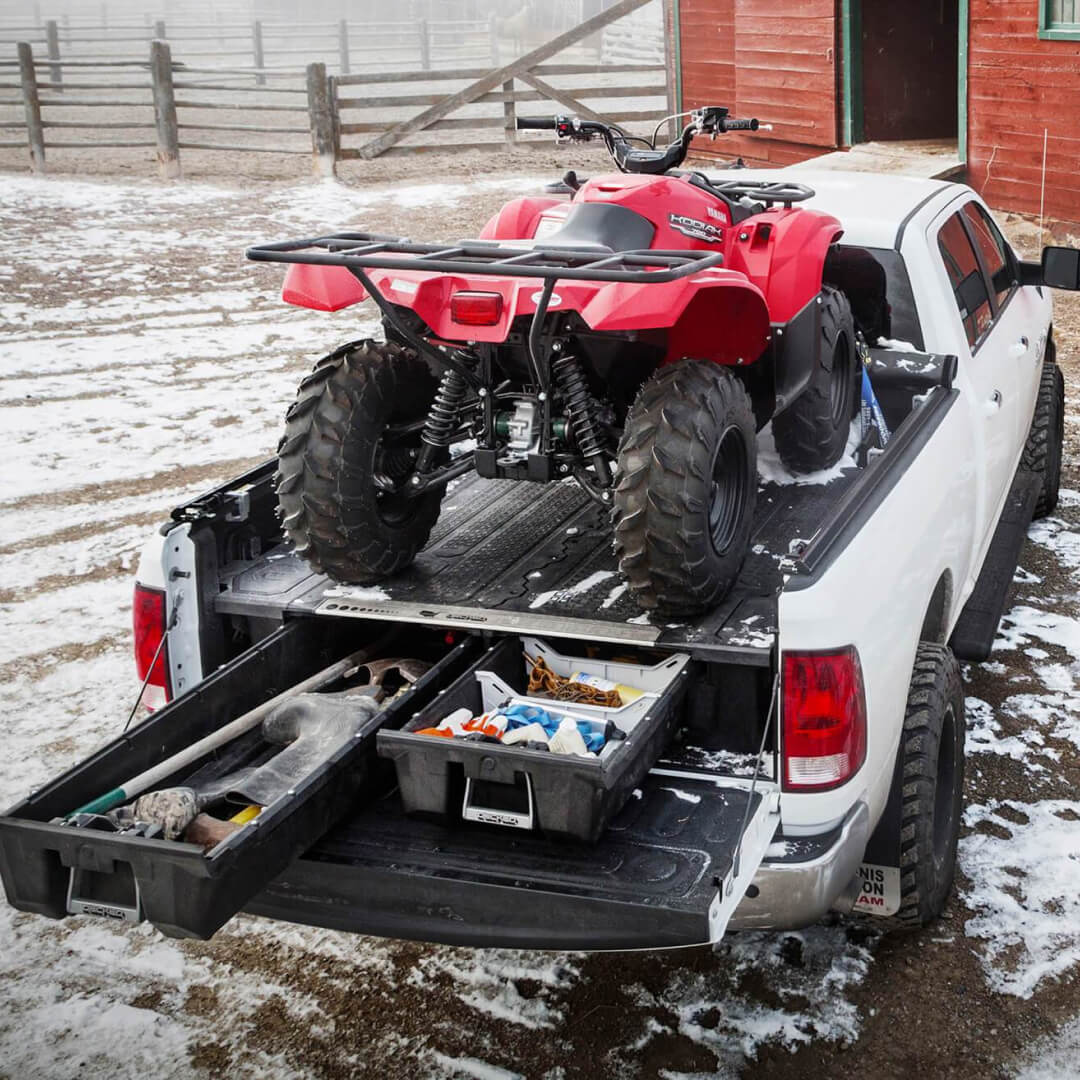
442 418
570 380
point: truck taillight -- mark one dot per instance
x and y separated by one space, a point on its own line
148 617
824 719
476 308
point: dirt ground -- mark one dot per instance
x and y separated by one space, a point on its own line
142 359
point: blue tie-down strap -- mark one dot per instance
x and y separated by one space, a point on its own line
519 715
870 411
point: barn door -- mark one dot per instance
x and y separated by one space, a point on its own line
785 68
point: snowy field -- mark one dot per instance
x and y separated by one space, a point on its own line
144 359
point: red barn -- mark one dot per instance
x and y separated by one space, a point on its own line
997 80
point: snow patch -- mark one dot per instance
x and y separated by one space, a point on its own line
1024 872
579 589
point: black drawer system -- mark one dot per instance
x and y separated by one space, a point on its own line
562 796
55 869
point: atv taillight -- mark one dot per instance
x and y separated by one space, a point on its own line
476 308
824 719
148 611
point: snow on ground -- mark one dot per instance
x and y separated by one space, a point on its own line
142 360
1056 1057
1022 857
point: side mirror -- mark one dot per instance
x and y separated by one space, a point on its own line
1061 268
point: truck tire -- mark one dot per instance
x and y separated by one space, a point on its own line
932 775
685 487
330 505
813 430
1042 451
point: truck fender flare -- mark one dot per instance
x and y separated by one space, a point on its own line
936 620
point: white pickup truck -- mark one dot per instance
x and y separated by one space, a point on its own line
814 749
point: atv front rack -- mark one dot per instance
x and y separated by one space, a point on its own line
358 251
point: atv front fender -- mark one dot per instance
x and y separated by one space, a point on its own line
717 315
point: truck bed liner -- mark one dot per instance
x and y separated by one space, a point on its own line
538 558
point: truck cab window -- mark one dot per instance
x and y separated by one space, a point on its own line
965 274
996 253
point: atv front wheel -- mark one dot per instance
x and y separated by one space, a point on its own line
349 440
812 431
685 487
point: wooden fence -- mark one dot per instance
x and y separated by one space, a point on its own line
157 103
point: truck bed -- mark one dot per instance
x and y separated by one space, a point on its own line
538 558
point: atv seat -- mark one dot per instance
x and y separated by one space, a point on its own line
603 228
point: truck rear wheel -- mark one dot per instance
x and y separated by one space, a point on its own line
1042 451
812 431
685 487
340 457
932 778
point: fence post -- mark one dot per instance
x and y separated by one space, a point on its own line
52 42
493 34
168 133
343 46
159 30
257 51
321 116
35 132
509 114
425 44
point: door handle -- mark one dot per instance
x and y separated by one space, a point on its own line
1020 348
993 403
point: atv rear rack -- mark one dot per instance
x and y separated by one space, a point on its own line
370 251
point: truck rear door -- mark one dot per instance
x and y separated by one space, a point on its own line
986 363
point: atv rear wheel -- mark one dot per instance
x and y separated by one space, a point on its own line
685 487
812 431
340 459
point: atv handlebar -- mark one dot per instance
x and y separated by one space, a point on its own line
536 123
740 125
709 120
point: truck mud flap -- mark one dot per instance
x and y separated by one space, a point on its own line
55 869
669 871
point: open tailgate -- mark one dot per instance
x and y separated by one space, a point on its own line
670 870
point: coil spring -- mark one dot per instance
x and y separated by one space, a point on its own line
570 380
442 417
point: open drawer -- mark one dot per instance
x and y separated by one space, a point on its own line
55 869
563 796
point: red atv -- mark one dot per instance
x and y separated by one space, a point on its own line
635 338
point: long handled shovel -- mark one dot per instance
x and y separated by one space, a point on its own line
145 780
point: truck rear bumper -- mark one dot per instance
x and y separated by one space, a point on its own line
815 875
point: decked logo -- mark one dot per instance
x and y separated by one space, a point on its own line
696 230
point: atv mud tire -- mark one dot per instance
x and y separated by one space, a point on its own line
685 487
813 430
332 508
1042 451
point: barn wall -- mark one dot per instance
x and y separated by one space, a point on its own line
773 59
1019 86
